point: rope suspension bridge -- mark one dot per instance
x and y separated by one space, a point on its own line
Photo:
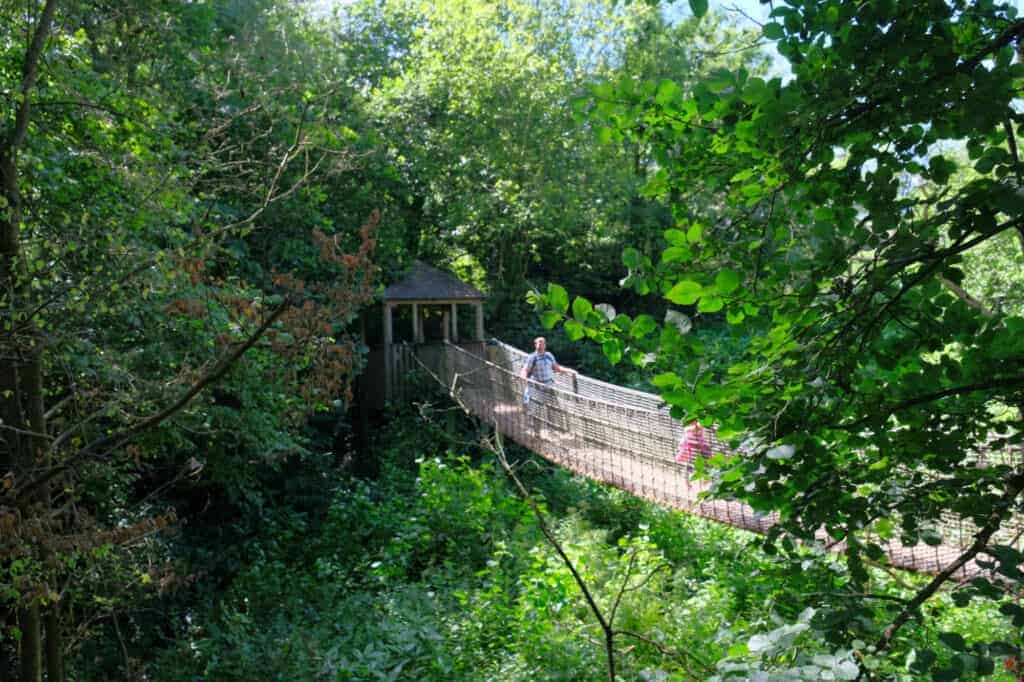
628 439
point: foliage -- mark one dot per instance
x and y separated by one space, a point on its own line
819 217
473 105
834 266
381 589
150 149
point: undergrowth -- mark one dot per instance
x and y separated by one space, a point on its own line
437 570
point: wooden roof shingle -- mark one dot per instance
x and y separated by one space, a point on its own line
427 283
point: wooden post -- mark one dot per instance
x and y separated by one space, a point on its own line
479 321
416 328
446 329
455 322
388 357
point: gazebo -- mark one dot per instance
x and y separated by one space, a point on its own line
426 286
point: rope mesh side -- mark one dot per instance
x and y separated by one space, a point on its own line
628 439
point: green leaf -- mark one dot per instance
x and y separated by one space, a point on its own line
699 7
581 307
574 330
549 318
676 253
685 293
623 322
711 304
931 537
612 350
773 31
1015 612
667 380
727 281
953 640
558 298
720 81
668 92
923 659
734 316
642 326
631 258
732 475
738 650
694 234
675 237
941 169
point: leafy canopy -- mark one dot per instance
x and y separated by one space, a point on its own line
823 219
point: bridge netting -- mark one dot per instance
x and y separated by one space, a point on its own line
628 439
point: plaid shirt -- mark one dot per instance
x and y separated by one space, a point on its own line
541 367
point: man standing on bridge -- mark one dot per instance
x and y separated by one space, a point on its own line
540 367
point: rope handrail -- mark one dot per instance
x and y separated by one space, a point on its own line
656 404
556 387
600 432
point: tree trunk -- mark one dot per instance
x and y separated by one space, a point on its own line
21 385
31 644
54 645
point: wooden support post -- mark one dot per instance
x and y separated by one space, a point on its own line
446 321
388 352
479 321
455 322
417 324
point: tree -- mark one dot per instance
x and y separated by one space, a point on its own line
478 126
818 217
473 104
146 146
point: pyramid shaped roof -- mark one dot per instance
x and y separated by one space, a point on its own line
427 283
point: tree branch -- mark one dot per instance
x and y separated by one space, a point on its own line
106 444
622 587
30 75
1006 382
606 627
1013 32
1014 487
24 432
665 651
962 294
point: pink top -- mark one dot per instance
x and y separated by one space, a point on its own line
694 442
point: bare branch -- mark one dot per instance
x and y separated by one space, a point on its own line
24 432
609 634
665 651
740 11
962 294
625 583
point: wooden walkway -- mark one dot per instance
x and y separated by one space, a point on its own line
627 439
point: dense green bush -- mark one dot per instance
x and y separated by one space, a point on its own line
438 570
